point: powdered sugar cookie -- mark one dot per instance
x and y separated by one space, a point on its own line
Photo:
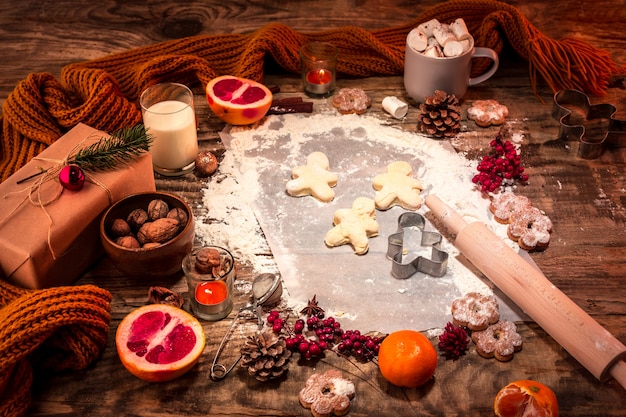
487 112
313 179
531 229
475 311
327 394
351 100
354 226
397 187
504 205
499 340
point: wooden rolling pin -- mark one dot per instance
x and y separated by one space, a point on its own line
583 337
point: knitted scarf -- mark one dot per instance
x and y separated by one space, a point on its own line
52 329
102 93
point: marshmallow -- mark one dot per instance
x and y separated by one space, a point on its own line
396 107
443 34
427 27
417 40
433 51
459 29
453 48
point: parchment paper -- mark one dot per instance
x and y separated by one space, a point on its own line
358 289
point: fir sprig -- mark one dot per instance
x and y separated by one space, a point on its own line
122 146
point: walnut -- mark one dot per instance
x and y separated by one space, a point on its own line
120 227
180 215
208 260
137 218
128 242
157 209
160 231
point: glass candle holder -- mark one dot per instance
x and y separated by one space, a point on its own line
318 61
168 114
210 285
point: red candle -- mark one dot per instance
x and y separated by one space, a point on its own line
319 76
211 292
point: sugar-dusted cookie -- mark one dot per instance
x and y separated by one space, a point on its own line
351 100
487 112
354 226
313 179
499 340
475 311
327 394
397 187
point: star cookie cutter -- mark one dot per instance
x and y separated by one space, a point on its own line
615 135
435 266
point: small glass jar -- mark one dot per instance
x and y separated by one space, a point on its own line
210 291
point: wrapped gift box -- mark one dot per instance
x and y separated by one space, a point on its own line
54 243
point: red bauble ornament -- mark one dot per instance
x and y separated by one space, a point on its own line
72 177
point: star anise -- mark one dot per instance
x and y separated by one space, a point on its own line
453 341
313 309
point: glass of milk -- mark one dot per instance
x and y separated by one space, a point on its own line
168 114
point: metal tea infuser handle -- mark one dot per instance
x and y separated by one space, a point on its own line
219 371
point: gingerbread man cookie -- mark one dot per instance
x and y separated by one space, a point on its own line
487 112
327 394
397 187
313 179
354 225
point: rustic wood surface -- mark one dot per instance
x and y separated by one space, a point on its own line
586 201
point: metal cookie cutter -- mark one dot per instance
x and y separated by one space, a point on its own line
437 264
565 101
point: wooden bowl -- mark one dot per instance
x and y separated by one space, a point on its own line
163 260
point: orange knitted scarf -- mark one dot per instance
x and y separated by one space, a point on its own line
54 329
102 93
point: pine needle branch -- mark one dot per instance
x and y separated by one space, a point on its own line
121 147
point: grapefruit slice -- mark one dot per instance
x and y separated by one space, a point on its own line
159 342
238 101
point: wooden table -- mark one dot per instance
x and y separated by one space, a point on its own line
586 200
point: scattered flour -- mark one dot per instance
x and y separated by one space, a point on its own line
246 208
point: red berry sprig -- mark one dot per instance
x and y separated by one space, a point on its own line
502 167
313 337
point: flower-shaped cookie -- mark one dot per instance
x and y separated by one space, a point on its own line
487 112
475 311
354 225
397 187
313 179
327 394
499 340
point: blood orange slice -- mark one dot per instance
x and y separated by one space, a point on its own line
238 101
159 342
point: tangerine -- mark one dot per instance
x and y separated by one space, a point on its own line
159 342
238 101
526 398
407 358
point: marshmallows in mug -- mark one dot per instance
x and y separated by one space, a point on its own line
440 40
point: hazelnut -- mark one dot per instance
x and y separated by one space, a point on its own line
128 242
119 227
207 259
178 214
137 218
157 209
206 164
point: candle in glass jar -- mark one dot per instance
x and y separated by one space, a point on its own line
211 292
318 62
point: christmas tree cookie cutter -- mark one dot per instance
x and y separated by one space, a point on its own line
403 265
566 102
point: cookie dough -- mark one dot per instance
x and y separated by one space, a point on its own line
313 179
354 226
397 187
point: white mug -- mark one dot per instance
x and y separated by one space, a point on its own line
425 74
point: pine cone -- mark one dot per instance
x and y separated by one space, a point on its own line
265 355
440 115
